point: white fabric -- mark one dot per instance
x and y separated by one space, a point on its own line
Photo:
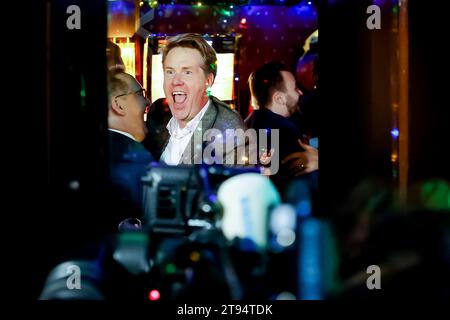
123 132
179 138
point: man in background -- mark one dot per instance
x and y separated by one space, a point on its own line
273 87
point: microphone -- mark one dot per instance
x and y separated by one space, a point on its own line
247 200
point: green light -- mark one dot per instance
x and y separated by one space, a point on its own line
395 10
132 239
435 194
170 268
227 13
83 91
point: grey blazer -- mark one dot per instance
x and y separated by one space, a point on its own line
214 137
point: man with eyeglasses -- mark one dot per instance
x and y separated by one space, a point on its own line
127 106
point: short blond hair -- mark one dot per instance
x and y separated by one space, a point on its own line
197 42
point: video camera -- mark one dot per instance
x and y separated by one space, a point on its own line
180 253
178 199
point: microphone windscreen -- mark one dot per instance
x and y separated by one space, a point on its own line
247 200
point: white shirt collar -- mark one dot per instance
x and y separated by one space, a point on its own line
123 132
179 138
174 128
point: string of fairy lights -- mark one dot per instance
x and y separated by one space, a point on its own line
227 6
226 11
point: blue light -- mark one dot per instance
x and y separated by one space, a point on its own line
395 133
212 198
120 7
236 78
309 2
310 280
224 20
304 208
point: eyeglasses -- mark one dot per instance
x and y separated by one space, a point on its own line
141 92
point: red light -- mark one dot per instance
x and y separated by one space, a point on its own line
243 21
154 295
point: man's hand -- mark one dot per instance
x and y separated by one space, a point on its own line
302 162
265 158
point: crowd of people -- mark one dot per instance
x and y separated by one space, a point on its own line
408 241
200 128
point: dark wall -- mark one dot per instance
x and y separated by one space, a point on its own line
64 202
429 102
345 87
358 89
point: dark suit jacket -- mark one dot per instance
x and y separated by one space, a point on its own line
288 131
218 116
157 136
128 163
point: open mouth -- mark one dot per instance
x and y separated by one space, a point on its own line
179 96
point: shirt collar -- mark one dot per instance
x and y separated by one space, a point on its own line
123 132
173 125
